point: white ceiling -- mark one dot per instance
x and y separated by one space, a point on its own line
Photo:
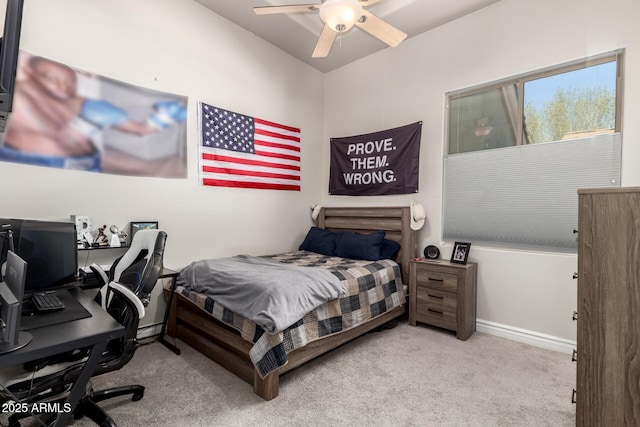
298 33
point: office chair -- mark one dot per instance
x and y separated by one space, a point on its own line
137 270
138 266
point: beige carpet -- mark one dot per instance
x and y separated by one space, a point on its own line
406 376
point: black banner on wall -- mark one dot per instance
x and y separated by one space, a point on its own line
375 164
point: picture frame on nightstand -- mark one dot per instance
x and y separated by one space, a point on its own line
460 252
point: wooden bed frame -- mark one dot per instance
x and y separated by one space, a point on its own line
225 346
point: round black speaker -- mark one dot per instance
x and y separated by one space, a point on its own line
432 252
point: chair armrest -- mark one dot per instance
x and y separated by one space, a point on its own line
123 292
126 293
100 274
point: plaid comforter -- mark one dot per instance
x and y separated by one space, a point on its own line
373 287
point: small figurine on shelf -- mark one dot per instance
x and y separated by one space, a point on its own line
101 239
122 235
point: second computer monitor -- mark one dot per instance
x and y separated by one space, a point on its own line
11 293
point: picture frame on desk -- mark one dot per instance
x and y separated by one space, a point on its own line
460 252
142 225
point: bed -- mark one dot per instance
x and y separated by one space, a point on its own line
242 347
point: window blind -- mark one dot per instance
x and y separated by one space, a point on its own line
526 196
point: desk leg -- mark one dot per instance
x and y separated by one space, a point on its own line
79 389
163 331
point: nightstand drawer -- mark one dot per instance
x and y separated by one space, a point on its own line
437 315
437 279
426 295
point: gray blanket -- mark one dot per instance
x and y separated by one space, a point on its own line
272 294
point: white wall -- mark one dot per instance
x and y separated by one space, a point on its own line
518 291
176 46
179 46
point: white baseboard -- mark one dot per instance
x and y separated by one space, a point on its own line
525 336
149 330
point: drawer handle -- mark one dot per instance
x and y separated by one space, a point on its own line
575 275
575 315
435 296
434 311
435 280
573 396
574 356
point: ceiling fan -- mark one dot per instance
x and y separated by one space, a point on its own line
339 16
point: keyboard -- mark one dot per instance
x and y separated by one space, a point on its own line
47 302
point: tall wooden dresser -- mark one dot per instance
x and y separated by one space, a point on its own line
608 312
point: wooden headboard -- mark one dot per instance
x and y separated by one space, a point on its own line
394 221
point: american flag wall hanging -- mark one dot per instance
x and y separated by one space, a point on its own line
247 152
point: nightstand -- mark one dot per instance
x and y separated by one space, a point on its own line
443 294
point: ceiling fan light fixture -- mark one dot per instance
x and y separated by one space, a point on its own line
340 15
483 128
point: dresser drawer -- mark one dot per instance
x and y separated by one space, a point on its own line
437 279
427 295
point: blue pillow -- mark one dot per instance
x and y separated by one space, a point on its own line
320 241
360 246
389 249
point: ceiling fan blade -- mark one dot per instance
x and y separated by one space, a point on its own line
381 29
290 8
325 42
366 3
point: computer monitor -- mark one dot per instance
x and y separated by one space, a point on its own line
50 250
9 47
11 295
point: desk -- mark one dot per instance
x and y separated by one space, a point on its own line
95 331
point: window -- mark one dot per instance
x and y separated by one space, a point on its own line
518 150
483 120
567 102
